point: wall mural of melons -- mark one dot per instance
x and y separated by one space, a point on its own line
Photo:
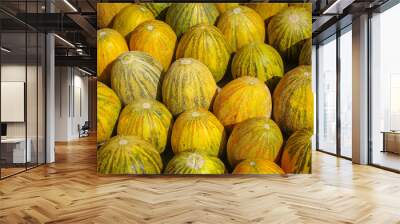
204 88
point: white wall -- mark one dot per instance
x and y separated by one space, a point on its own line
70 83
62 81
81 94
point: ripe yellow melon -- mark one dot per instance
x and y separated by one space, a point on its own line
110 45
243 98
129 18
107 11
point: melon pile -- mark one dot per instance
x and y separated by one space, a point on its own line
204 88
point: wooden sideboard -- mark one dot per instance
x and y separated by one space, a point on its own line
391 141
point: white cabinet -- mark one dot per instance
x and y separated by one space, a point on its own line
17 147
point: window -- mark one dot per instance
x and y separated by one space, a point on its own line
22 75
394 102
385 88
327 96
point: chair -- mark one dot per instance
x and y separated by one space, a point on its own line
84 129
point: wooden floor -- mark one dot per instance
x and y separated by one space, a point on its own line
387 159
70 191
5 172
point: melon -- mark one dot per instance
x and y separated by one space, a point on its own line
155 38
135 75
222 7
206 44
267 10
307 6
129 18
147 119
296 156
241 25
243 98
182 16
305 53
158 9
198 130
128 155
107 11
108 107
188 84
255 138
293 101
110 44
258 60
287 31
194 163
257 166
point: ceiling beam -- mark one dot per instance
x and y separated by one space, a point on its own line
81 61
337 7
86 27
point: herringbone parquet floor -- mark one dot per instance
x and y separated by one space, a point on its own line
70 191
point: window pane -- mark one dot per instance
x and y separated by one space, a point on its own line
14 153
346 93
31 99
327 96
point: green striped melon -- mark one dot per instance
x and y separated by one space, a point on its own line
255 138
129 18
257 166
206 44
243 98
188 84
150 37
107 11
305 53
128 155
267 10
194 163
147 119
258 60
198 130
158 9
222 7
182 16
108 107
135 75
241 25
296 156
287 31
110 45
293 101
